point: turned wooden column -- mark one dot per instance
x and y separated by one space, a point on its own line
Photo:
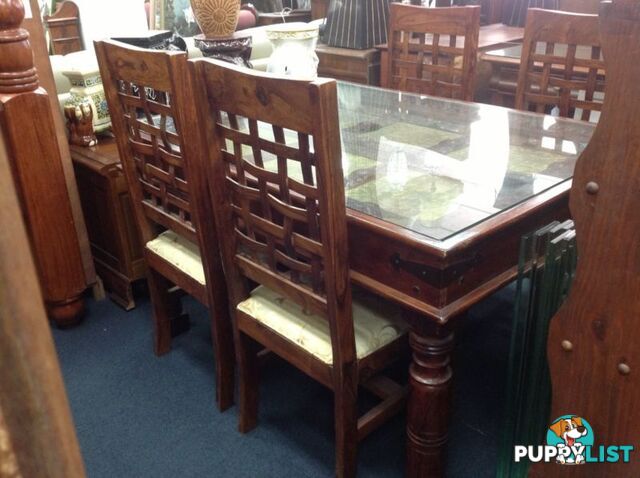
430 379
26 122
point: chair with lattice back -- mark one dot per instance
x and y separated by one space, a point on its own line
561 66
146 93
433 50
279 201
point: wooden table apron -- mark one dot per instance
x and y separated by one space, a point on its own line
437 282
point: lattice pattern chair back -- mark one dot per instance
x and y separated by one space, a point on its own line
140 85
561 65
276 159
433 50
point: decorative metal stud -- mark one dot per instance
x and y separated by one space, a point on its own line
567 346
624 369
593 187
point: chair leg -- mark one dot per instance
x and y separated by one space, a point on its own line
346 424
163 306
222 334
248 364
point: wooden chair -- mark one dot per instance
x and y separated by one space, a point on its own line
419 63
570 73
275 158
169 193
64 28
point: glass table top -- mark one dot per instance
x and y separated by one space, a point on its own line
438 167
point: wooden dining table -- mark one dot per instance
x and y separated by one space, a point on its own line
439 193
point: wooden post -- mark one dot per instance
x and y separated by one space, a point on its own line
593 352
26 121
36 432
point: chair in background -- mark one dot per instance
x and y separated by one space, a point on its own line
64 29
433 50
561 64
275 158
169 193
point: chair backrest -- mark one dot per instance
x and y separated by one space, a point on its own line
433 50
277 188
64 28
144 91
561 64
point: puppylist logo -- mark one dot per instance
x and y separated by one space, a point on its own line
570 442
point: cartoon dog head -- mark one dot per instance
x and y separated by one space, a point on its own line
569 429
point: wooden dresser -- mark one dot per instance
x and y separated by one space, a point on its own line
115 243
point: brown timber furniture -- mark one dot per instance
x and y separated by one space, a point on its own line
169 192
490 37
286 230
27 122
503 66
64 28
420 63
115 243
558 76
440 269
42 62
37 437
357 66
593 339
319 9
579 6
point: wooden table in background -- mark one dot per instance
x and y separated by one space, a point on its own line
113 236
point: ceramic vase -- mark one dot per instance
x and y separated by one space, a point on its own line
216 18
86 88
294 50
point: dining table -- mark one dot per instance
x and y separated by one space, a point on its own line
439 193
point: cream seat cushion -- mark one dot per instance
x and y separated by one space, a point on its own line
376 322
179 252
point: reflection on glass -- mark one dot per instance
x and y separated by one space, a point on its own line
437 167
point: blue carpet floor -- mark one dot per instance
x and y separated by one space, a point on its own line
141 416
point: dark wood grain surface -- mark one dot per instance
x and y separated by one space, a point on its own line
27 122
37 436
595 375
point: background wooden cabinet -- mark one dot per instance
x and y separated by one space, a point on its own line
113 236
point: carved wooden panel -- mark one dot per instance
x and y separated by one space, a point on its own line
593 341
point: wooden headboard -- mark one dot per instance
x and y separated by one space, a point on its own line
64 29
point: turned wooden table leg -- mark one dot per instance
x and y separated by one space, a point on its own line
429 399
